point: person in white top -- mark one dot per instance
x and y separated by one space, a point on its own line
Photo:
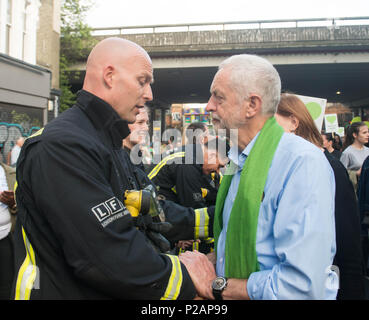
354 149
7 209
5 223
15 151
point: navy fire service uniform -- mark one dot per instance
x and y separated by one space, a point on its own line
74 238
185 183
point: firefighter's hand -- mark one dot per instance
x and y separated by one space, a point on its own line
7 197
201 271
160 227
183 244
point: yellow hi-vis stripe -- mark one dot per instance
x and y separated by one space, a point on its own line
201 223
27 272
163 162
175 280
37 133
204 192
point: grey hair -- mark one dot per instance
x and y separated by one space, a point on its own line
253 74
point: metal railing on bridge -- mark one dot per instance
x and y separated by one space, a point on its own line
233 25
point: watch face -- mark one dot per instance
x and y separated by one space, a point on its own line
219 283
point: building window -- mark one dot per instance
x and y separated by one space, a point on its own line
24 28
8 26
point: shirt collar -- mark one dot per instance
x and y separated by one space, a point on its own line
238 157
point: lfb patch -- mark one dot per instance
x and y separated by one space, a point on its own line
109 208
197 196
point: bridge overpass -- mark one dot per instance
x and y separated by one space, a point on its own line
327 58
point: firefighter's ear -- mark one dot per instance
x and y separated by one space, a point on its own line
108 75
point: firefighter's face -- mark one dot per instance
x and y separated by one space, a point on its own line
132 86
213 162
140 128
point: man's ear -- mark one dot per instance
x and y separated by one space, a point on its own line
254 105
108 73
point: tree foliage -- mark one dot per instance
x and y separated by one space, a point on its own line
75 44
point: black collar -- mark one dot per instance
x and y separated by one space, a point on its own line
103 117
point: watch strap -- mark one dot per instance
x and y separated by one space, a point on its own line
217 294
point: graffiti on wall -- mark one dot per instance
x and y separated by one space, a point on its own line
9 134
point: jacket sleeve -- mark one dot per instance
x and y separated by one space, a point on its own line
188 186
362 192
188 223
349 253
72 190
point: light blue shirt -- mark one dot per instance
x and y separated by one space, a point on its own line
295 240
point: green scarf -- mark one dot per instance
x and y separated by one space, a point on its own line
240 247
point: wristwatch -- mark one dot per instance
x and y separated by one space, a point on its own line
218 285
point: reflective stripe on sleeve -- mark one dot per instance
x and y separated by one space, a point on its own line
204 192
163 162
209 240
174 189
175 280
201 223
28 272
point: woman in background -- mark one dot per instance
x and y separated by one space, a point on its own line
354 150
329 144
338 142
294 117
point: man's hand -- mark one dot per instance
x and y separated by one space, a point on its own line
201 271
7 197
212 257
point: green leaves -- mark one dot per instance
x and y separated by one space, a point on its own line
76 42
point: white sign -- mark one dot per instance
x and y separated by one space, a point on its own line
341 131
316 107
331 122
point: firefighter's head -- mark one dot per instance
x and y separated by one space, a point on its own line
197 132
120 72
214 155
139 130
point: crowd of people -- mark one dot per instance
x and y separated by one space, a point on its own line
279 211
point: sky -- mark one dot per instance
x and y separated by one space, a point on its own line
117 13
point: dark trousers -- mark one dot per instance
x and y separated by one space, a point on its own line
365 248
6 267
